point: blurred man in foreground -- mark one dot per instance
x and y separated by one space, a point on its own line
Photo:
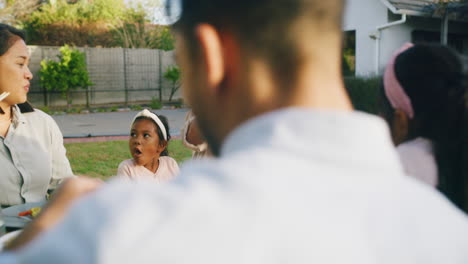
300 177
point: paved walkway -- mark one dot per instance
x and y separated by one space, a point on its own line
110 126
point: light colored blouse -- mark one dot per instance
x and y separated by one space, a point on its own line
32 158
417 157
167 170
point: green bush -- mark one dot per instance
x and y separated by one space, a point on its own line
136 107
172 74
364 93
45 109
66 75
155 103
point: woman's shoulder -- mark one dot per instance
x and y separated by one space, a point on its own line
38 116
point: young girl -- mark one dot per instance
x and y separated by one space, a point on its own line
149 137
423 102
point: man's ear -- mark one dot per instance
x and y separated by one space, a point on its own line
211 47
400 126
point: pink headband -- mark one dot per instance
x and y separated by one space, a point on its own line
393 89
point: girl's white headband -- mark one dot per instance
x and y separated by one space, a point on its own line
154 117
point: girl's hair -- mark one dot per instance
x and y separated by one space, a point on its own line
8 36
433 78
163 119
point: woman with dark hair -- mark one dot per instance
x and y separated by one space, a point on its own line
424 104
32 155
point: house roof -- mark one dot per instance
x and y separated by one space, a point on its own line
410 6
422 7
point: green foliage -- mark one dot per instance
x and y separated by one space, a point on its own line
364 93
172 74
45 109
79 12
346 66
155 103
73 110
136 107
104 23
66 75
164 39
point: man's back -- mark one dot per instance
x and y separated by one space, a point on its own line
283 191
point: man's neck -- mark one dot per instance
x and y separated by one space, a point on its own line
320 91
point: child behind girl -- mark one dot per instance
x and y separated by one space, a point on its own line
423 102
149 137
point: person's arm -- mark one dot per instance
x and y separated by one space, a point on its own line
191 135
194 135
56 209
61 168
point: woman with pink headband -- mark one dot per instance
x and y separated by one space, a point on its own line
424 104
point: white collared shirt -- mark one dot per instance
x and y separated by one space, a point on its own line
32 158
292 186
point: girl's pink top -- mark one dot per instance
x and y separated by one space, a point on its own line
167 170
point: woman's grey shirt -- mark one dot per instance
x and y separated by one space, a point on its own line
32 158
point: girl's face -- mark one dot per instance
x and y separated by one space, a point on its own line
145 145
15 74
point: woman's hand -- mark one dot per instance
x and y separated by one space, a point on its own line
70 190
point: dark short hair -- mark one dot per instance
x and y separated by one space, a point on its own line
8 36
165 122
265 26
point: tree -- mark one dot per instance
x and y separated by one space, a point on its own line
80 23
17 10
92 23
172 74
135 31
66 75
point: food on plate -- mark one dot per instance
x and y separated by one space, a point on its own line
33 212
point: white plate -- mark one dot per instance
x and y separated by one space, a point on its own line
7 238
10 214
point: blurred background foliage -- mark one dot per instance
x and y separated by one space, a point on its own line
87 23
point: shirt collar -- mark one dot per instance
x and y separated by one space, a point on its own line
17 116
333 135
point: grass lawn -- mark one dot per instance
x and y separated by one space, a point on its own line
101 159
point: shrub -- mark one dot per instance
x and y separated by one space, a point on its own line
136 107
155 103
45 109
364 93
172 74
66 75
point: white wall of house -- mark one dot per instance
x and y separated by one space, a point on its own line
364 16
391 39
